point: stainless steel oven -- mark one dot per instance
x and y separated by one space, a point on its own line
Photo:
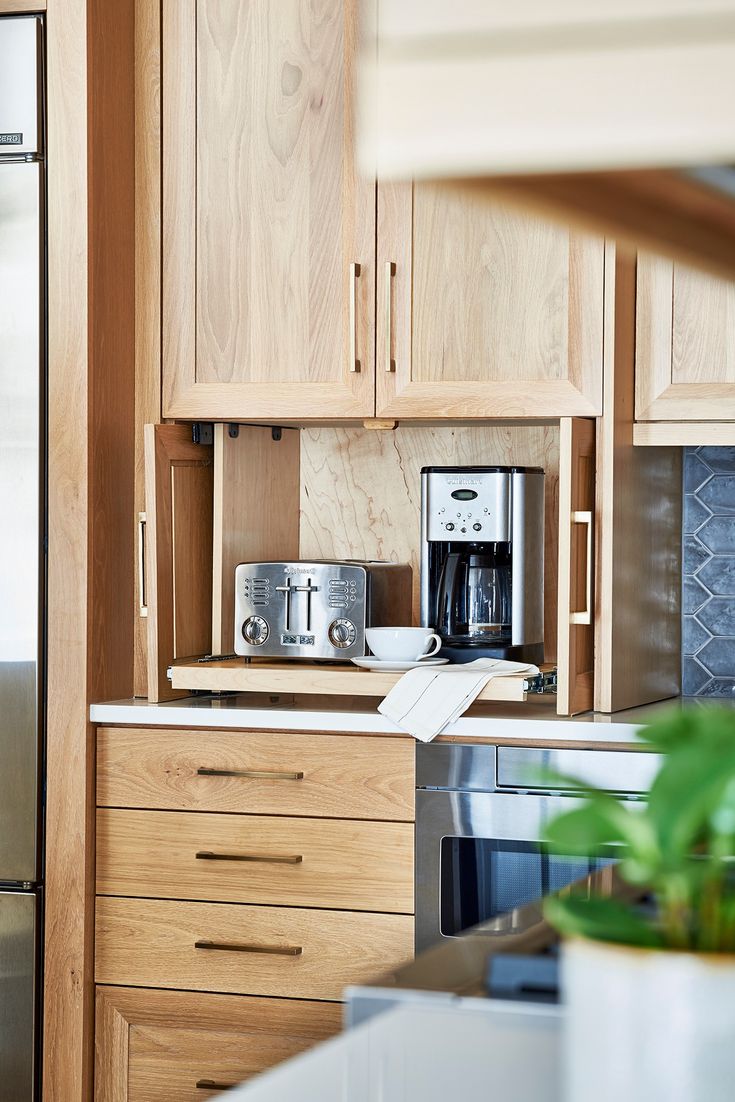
480 818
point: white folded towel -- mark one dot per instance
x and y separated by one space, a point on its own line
426 700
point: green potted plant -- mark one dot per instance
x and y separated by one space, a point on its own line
650 991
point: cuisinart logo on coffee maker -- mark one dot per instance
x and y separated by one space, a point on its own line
11 139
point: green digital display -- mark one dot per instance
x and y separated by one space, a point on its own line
464 495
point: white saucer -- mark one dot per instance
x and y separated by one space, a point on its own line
397 667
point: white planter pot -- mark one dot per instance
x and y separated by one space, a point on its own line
647 1025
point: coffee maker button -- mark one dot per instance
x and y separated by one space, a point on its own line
449 527
477 527
463 529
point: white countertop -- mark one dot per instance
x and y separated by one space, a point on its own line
474 1051
535 720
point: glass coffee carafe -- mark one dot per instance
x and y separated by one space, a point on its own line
474 597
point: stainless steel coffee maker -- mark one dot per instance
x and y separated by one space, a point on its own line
482 561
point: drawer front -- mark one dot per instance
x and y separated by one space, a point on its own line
155 1046
331 863
271 773
286 951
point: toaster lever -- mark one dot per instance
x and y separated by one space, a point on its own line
308 589
288 590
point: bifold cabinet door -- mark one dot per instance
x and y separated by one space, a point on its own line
179 496
685 349
208 508
484 311
268 229
575 646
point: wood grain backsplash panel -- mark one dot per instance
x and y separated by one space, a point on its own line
361 491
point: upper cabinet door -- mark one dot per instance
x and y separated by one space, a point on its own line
685 344
268 232
484 312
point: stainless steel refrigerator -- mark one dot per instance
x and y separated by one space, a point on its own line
22 549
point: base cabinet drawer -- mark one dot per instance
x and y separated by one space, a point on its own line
331 863
289 952
160 1046
259 773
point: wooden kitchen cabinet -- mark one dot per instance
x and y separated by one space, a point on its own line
685 348
270 241
268 230
206 980
484 312
155 1046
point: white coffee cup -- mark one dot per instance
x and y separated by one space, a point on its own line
402 644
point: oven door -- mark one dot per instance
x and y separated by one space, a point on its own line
478 857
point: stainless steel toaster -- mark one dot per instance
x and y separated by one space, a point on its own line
317 609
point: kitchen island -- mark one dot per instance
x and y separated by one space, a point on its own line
472 1050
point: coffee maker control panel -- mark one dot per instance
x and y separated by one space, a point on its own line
467 508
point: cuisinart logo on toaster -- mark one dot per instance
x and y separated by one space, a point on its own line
299 570
11 139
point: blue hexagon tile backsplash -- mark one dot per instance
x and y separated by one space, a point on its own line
708 597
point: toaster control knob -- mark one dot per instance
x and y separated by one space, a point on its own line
342 633
255 631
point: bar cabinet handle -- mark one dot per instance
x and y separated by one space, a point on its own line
213 1085
247 947
354 276
257 774
585 616
390 271
142 595
275 858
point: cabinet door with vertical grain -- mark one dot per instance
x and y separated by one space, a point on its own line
685 346
178 551
268 232
482 311
576 614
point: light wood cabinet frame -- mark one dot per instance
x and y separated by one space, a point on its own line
128 1020
344 392
667 386
400 391
340 864
179 482
160 943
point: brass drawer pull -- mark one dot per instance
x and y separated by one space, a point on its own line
256 774
390 271
213 1085
240 947
276 858
354 276
585 616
